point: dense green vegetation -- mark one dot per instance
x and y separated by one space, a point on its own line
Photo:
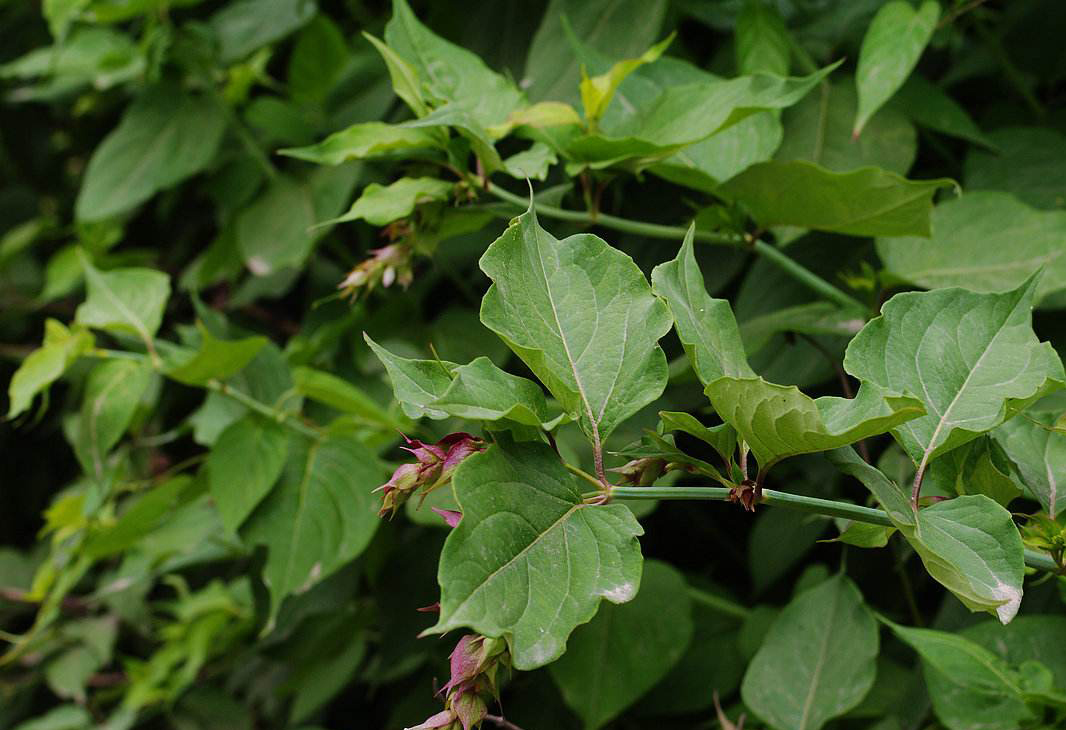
566 364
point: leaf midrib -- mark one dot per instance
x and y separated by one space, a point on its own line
822 651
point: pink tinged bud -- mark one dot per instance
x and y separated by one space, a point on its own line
469 708
465 660
431 608
450 516
442 719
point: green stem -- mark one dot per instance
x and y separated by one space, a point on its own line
676 233
799 502
587 477
717 603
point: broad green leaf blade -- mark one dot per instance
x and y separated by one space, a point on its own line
722 438
762 40
983 241
380 205
112 396
533 163
64 717
243 466
638 641
214 359
246 25
864 202
1039 455
136 521
164 137
598 91
812 318
1026 638
365 141
706 326
416 383
321 515
344 396
552 557
406 82
582 317
480 391
124 300
973 359
42 367
320 58
779 421
818 660
977 467
892 497
929 106
1029 162
890 50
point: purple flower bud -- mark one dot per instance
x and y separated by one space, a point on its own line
434 468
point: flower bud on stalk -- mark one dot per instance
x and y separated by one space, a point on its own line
434 468
474 665
387 265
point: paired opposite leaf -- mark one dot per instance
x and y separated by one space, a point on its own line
530 560
973 359
890 50
817 661
582 317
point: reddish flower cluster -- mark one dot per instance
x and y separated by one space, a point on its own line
387 265
434 468
474 665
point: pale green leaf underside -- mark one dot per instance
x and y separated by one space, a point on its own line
531 561
817 661
481 391
124 300
380 205
972 359
582 317
1039 455
415 383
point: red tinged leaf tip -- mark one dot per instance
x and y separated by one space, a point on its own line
450 516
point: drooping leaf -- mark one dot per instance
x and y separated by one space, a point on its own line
864 202
127 301
45 365
640 641
246 25
214 359
344 396
890 50
762 40
582 317
380 205
112 395
1039 455
481 391
983 241
365 141
1026 161
706 326
555 557
244 465
321 515
973 359
416 383
828 641
164 137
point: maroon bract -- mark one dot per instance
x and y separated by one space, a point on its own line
434 468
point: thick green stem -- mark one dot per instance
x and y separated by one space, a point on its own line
799 502
676 233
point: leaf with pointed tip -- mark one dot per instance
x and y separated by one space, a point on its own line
1029 162
1039 455
42 367
481 391
415 383
553 556
214 359
722 438
598 91
864 202
243 466
380 205
363 142
706 326
112 396
532 163
779 421
977 467
582 317
321 514
345 397
762 41
890 50
972 358
828 640
929 106
640 641
124 300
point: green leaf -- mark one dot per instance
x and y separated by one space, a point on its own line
380 205
812 318
532 163
405 79
319 59
416 383
127 301
365 141
89 56
929 106
1039 455
1026 638
639 641
64 717
164 137
45 365
818 129
706 326
598 91
722 438
343 396
976 467
986 242
142 517
321 515
864 202
581 315
243 465
481 391
779 421
553 556
973 358
762 41
112 394
215 359
890 50
244 26
818 660
1026 161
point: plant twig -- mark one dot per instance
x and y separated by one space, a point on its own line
500 721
